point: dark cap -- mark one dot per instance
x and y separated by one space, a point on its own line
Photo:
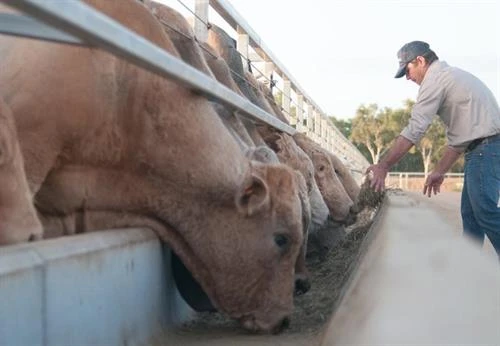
408 53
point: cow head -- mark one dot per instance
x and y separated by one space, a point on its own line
18 219
240 244
338 201
350 185
292 155
244 256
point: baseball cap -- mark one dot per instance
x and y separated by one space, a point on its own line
408 53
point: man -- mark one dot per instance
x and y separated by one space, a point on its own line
472 118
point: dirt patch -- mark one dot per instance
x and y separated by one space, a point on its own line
313 309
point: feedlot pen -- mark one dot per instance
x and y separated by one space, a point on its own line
408 278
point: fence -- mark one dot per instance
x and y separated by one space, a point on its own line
309 117
414 181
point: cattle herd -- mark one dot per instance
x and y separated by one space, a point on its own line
89 141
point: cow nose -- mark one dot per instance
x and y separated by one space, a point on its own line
284 324
302 286
35 237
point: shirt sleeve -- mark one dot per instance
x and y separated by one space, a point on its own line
429 99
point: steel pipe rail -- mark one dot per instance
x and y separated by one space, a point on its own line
19 25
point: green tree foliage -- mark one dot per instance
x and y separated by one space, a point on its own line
374 129
345 126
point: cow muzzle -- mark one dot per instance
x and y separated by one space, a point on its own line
249 322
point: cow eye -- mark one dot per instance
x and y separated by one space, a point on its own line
282 241
321 168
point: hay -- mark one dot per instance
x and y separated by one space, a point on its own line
367 197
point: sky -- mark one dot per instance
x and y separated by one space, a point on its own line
343 52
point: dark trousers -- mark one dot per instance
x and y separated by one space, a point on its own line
481 193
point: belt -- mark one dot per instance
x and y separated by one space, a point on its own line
482 140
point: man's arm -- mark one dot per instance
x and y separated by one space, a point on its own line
379 170
435 179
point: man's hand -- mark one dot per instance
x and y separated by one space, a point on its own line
379 172
433 183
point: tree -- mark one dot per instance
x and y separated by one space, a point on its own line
430 145
345 126
373 129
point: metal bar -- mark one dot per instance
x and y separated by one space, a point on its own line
24 26
89 25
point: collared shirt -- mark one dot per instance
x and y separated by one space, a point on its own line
464 103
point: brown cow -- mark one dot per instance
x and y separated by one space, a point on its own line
178 28
222 73
340 204
18 219
342 172
264 154
291 154
182 36
350 185
122 140
324 238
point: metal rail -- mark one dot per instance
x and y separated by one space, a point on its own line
19 25
81 21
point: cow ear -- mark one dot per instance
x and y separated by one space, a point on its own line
253 195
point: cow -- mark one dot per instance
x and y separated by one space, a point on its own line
321 240
223 74
342 210
182 35
18 217
343 173
350 185
288 152
100 135
265 96
314 210
340 204
225 46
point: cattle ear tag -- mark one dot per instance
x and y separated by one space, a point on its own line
253 197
